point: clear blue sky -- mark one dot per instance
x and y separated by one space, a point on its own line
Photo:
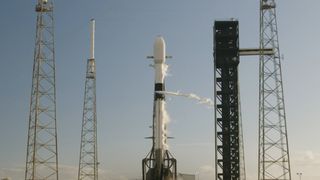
125 31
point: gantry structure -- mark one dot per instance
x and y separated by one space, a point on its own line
88 162
42 153
274 161
226 97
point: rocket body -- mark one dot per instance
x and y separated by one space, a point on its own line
159 55
159 164
159 116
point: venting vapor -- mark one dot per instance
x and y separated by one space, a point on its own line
201 100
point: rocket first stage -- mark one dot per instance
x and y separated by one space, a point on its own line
159 163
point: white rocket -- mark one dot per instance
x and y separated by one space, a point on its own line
159 56
159 164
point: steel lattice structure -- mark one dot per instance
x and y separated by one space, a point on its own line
227 124
42 154
274 163
243 175
88 163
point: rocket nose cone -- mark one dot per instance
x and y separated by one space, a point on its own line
159 50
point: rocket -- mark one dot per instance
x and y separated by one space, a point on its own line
160 66
160 164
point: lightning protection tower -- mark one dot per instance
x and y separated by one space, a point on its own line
273 160
88 164
42 155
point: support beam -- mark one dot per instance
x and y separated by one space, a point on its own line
256 52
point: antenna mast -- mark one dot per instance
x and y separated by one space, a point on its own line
274 162
42 153
88 163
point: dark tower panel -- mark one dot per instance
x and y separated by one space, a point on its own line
226 60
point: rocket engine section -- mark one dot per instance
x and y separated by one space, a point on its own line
159 163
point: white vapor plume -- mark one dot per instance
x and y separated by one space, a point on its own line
166 121
201 100
165 69
164 115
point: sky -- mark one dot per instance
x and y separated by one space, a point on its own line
125 31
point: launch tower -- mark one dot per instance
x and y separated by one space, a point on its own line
226 61
88 163
274 162
42 154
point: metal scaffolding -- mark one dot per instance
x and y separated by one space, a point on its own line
274 162
42 155
88 163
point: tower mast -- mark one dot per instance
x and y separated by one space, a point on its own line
226 97
88 163
274 162
42 154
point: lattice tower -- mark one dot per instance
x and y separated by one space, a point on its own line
274 162
42 154
88 163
